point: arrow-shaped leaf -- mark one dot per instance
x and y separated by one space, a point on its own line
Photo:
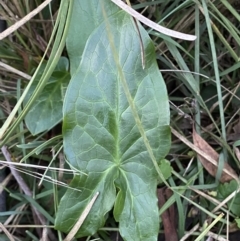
101 137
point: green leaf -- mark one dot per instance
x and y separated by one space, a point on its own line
102 139
224 190
166 169
46 111
237 220
86 17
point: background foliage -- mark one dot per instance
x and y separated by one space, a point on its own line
202 80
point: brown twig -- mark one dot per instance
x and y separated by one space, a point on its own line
21 22
6 232
15 71
22 184
168 217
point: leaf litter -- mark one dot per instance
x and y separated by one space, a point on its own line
210 167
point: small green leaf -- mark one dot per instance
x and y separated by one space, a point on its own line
46 112
165 168
63 65
224 190
237 220
101 137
